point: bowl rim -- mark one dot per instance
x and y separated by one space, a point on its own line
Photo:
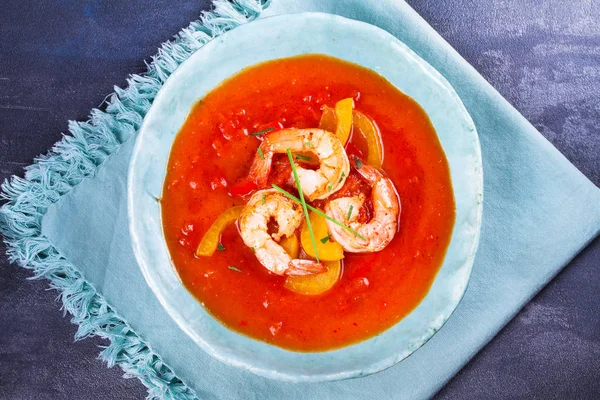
173 312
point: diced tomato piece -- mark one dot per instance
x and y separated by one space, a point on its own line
353 150
243 188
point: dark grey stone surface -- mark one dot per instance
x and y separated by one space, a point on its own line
59 59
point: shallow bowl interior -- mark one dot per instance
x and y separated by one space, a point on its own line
285 36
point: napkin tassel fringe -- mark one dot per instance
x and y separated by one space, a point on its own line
76 157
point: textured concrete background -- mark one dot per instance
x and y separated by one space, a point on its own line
59 59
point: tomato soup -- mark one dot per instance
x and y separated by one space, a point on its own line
213 152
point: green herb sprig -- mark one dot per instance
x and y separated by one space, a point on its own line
359 163
303 157
260 133
304 205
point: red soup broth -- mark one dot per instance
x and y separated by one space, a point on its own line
214 151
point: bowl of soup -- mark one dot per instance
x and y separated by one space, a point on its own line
305 198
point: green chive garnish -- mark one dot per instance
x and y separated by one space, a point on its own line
220 247
303 157
260 153
316 210
325 239
350 212
358 162
342 177
308 145
231 267
259 133
263 198
303 202
329 187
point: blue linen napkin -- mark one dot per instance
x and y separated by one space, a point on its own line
528 235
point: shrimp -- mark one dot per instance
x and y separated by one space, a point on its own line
382 227
263 206
316 184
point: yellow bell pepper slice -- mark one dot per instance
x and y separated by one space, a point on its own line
343 114
328 120
210 240
291 245
367 128
338 119
315 284
327 249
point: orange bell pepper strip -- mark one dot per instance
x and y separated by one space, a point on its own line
210 240
367 128
328 119
328 249
312 285
339 119
362 125
343 114
290 245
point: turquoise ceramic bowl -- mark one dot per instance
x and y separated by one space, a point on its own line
285 36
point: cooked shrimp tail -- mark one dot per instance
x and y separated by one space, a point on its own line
261 166
304 267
